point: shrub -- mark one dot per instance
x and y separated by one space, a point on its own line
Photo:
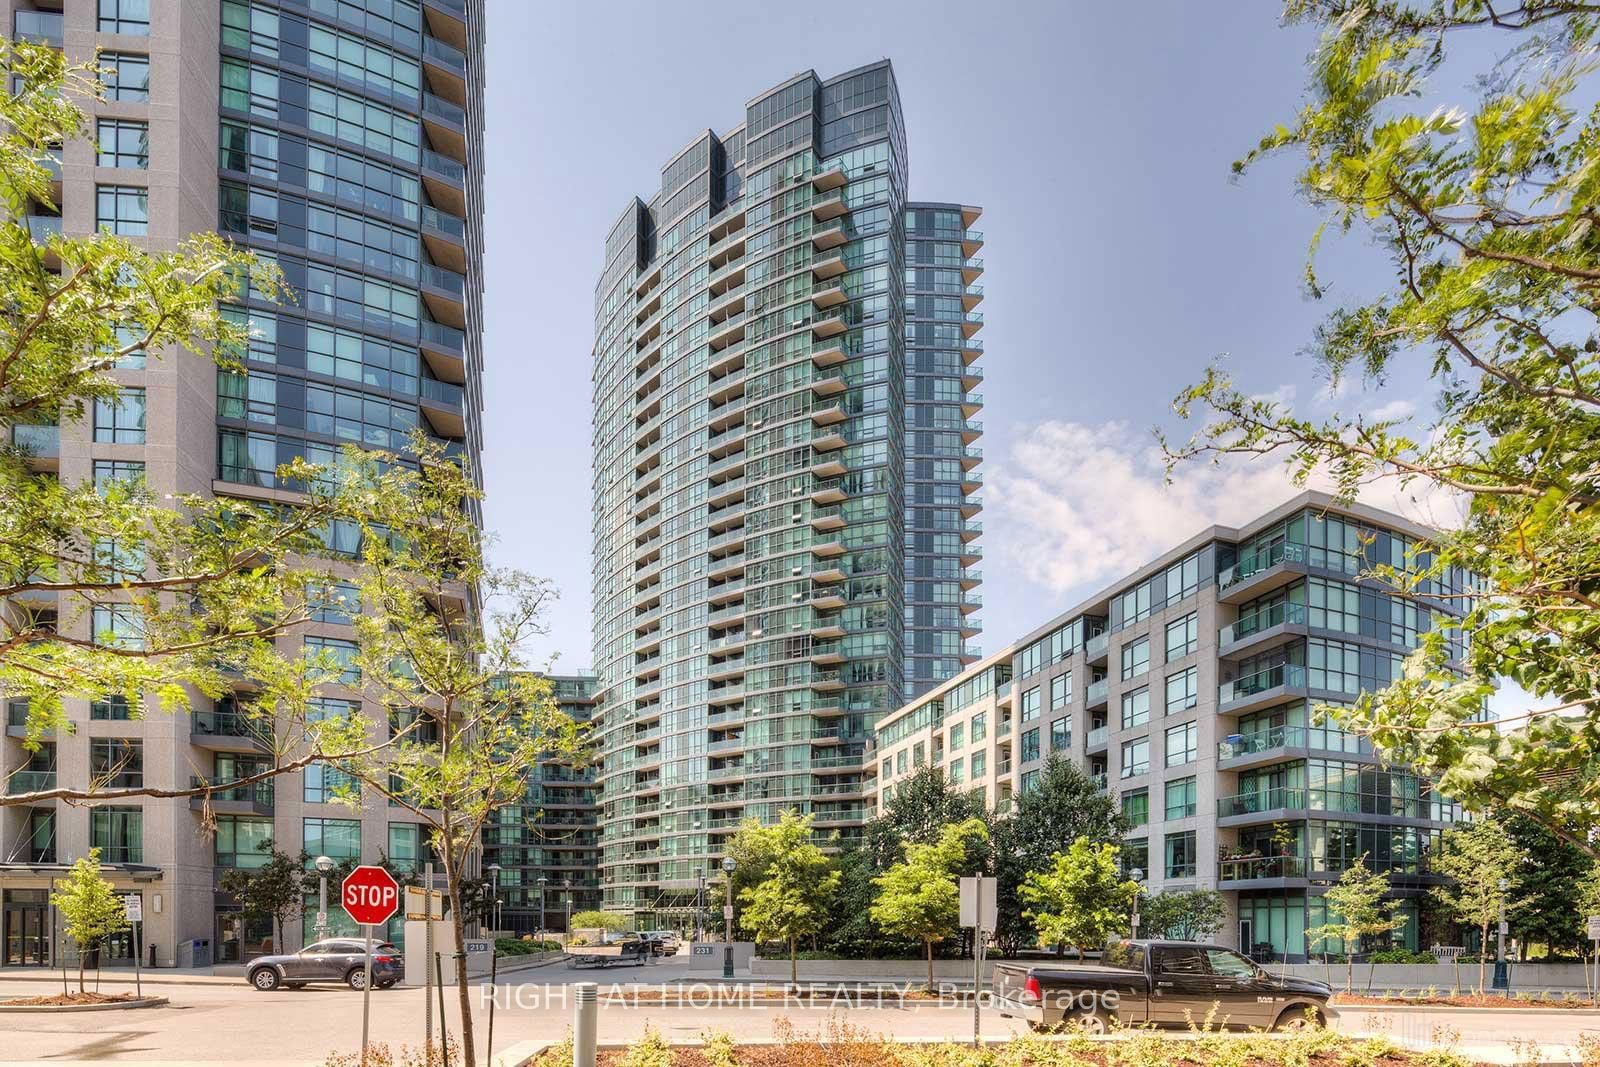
651 1050
1400 955
510 946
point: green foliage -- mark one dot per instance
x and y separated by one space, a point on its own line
274 892
1188 915
1081 898
792 898
599 920
919 897
513 946
1357 909
1547 890
1064 805
90 909
1486 209
1476 858
922 806
1400 955
651 1050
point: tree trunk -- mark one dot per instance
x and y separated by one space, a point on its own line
794 964
1483 954
929 946
82 955
1349 969
459 925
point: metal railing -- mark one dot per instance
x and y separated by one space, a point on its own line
443 221
1263 619
1282 674
1253 868
451 169
443 392
1260 560
258 793
26 781
448 54
1280 798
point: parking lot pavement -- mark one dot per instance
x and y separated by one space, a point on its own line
213 1023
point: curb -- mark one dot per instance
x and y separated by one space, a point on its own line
1420 1009
129 1005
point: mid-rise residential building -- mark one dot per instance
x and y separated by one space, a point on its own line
783 476
342 140
1188 690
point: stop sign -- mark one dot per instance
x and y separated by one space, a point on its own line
370 895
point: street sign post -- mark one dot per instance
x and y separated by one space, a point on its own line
1594 935
980 910
370 895
133 911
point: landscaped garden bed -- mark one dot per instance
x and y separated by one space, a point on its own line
1435 998
79 1002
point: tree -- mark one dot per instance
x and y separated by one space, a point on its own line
1547 893
1081 899
1479 860
151 600
791 899
918 898
599 920
922 806
90 910
1486 210
1189 915
442 641
273 892
1358 901
1064 805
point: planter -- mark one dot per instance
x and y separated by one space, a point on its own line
116 1005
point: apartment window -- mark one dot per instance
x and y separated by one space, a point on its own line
957 772
117 626
122 209
338 839
1060 735
1183 636
1181 855
1060 691
111 709
123 143
1183 744
980 726
1135 658
900 761
243 842
1183 579
1030 744
1135 757
125 16
958 733
1136 708
120 421
1181 798
116 762
980 765
325 785
108 472
919 754
129 79
338 602
408 845
336 657
1136 808
1030 704
1183 690
118 833
888 769
1029 781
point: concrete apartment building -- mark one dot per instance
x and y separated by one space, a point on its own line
783 477
1186 689
344 139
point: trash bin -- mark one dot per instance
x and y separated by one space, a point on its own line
195 952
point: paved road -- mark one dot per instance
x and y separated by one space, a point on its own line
229 1022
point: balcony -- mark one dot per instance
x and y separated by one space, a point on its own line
1096 647
40 27
445 293
971 267
1259 628
1279 742
1096 739
446 237
446 350
446 66
828 237
1261 572
43 227
829 177
971 241
1261 688
1264 805
1097 693
446 124
253 799
27 781
446 181
444 405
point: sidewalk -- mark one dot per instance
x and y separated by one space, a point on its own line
219 974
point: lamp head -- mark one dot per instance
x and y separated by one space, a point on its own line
324 864
727 864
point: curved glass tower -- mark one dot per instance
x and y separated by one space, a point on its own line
763 450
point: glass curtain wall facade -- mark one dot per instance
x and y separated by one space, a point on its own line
750 496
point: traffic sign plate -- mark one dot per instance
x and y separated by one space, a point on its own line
370 895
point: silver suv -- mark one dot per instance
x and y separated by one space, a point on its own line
338 959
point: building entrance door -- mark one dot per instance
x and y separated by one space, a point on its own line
26 927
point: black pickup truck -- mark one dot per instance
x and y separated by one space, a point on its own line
1157 982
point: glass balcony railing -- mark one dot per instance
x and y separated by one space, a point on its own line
442 278
1279 799
443 392
1096 646
38 440
1283 674
1097 692
1096 738
457 6
446 54
259 793
444 336
1260 560
26 781
448 168
1262 741
40 27
43 227
439 107
1264 619
222 723
444 222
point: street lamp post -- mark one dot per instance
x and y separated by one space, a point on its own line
1502 973
539 935
494 906
1137 874
566 884
699 903
727 918
324 865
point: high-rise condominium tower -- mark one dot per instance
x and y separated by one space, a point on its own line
782 466
342 139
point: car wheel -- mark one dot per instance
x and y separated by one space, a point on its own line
1299 1018
356 979
1092 1022
264 978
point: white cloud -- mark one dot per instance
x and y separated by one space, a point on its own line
1073 506
1393 411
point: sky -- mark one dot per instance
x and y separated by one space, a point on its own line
1121 257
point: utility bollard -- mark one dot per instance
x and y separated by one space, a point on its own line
585 1023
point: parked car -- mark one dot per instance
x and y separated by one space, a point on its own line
669 940
1157 982
652 941
336 959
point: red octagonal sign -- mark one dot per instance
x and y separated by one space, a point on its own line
370 895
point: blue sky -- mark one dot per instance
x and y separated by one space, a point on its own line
1121 256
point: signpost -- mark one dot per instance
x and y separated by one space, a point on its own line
980 909
1594 935
133 911
370 895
